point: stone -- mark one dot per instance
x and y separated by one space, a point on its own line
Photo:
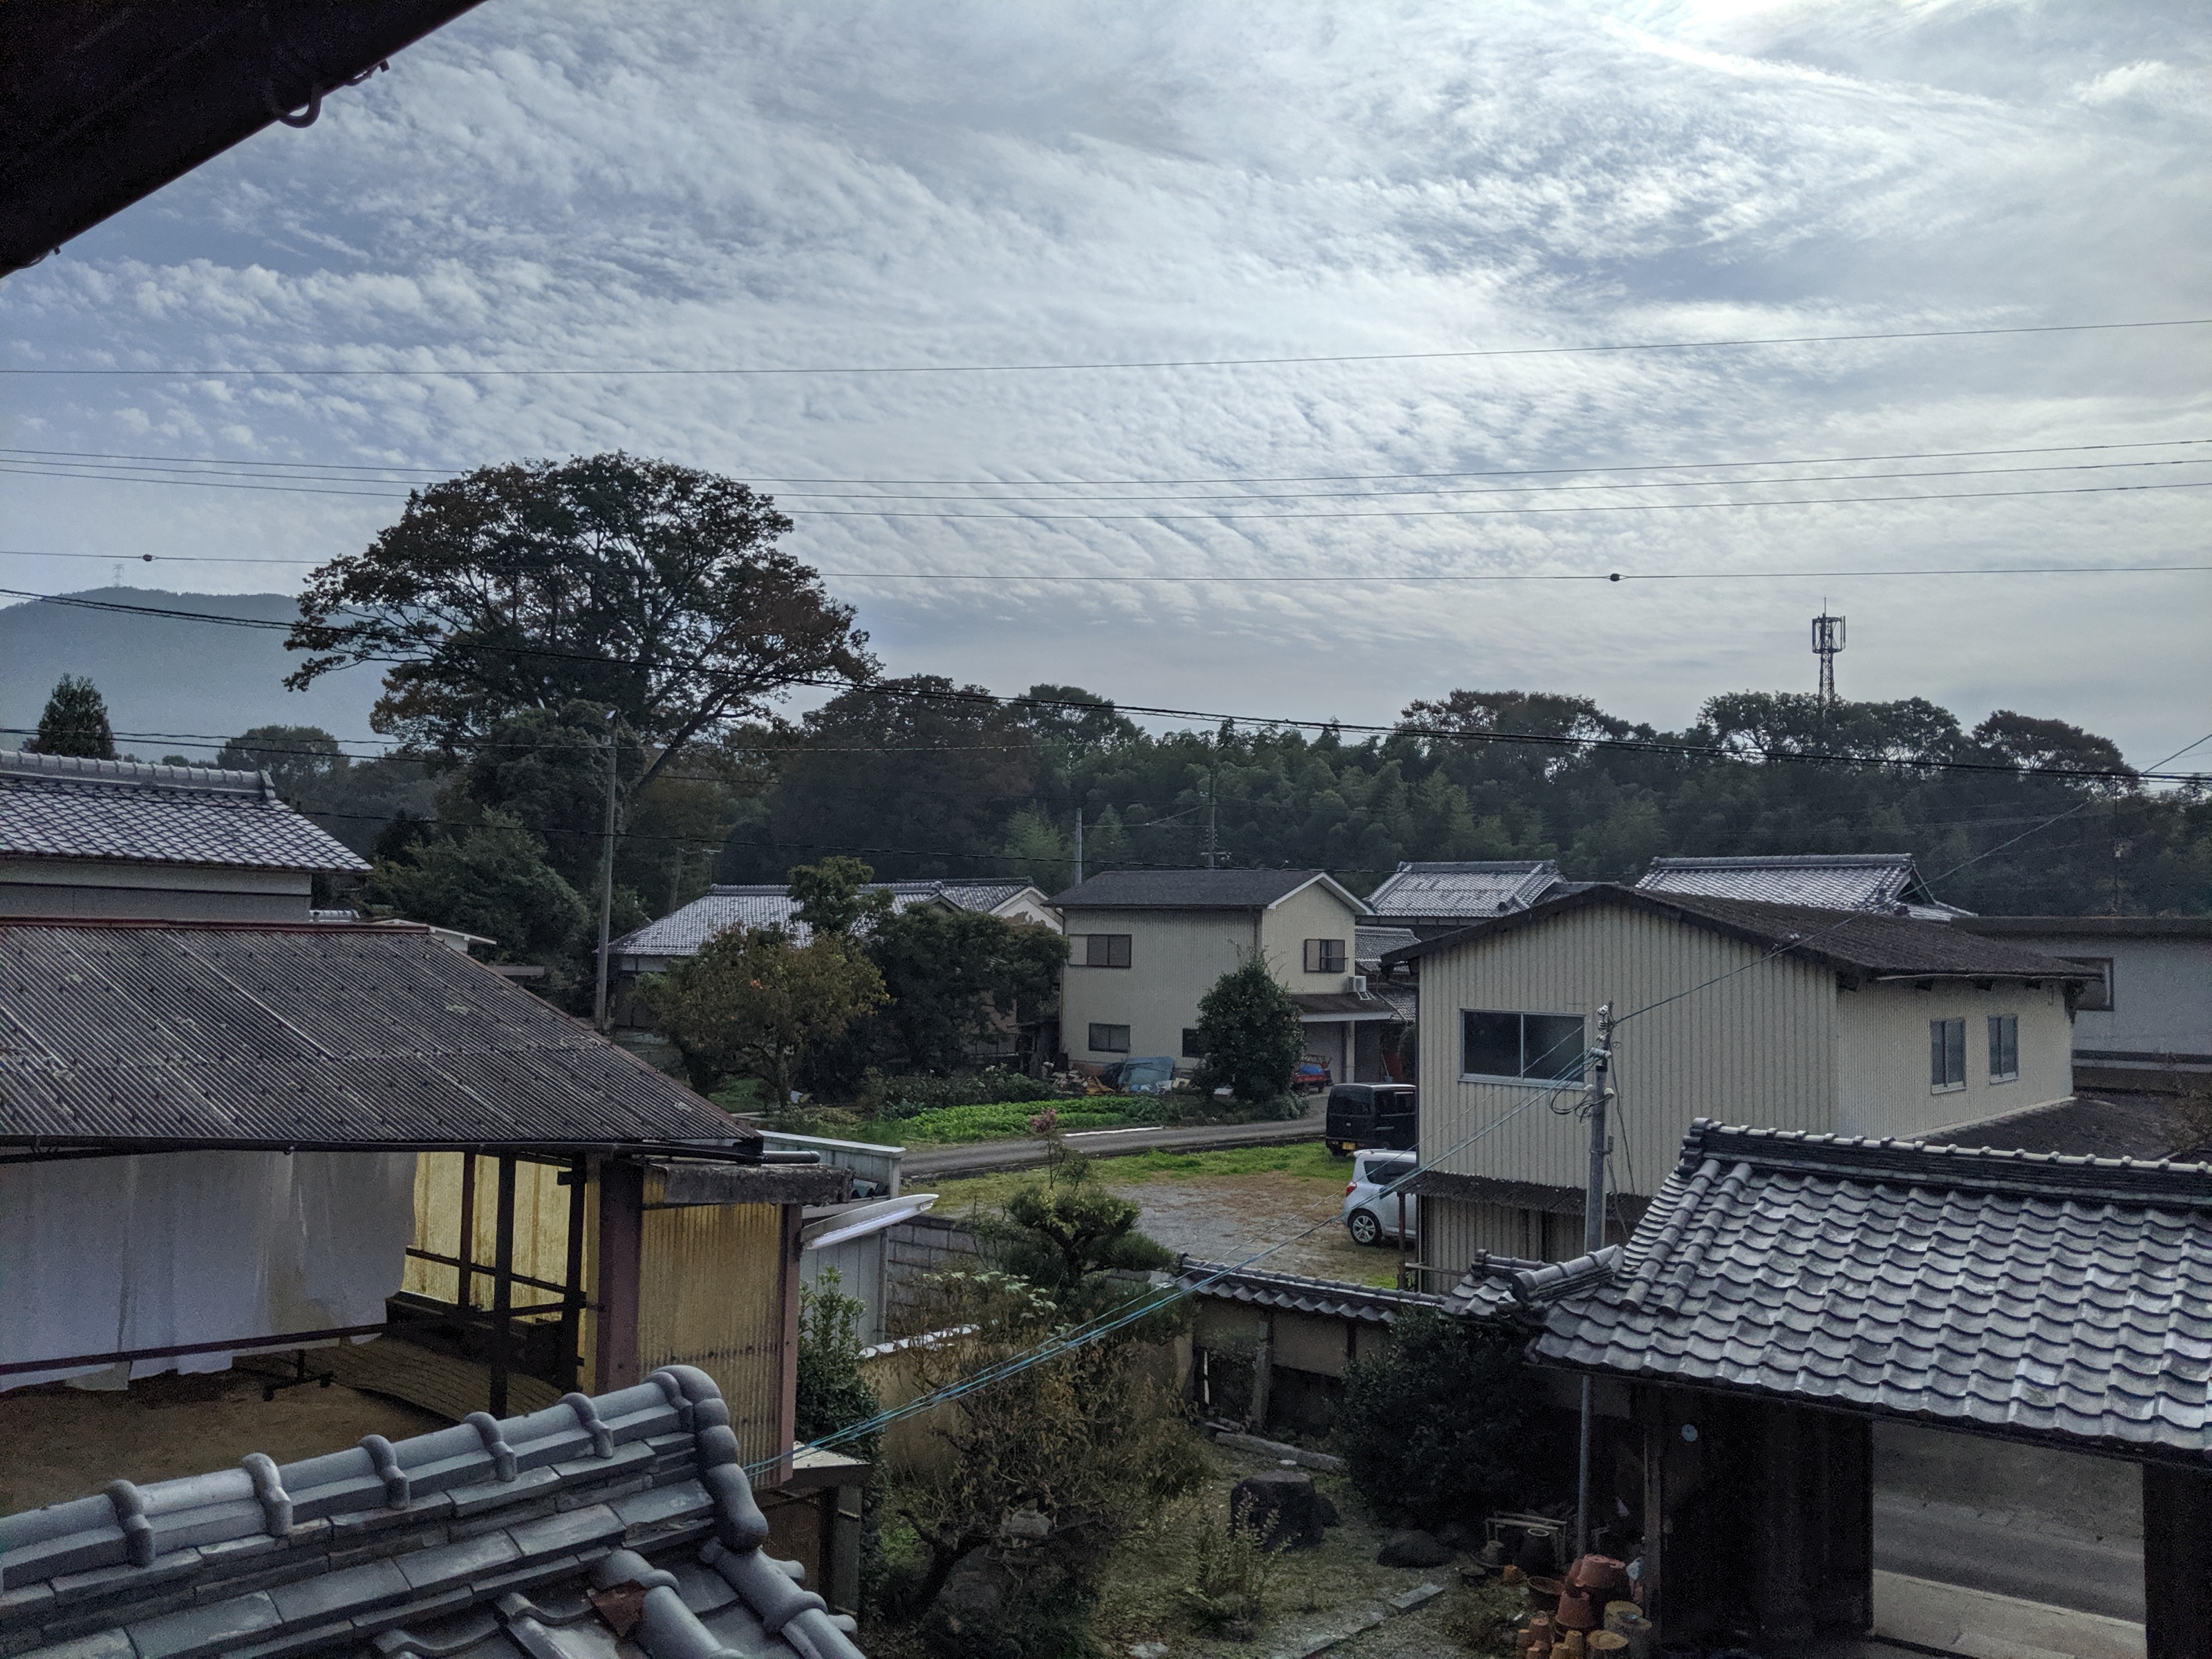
1148 1650
1412 1548
1282 1507
1419 1596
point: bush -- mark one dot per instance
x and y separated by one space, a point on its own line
1251 1033
1439 1426
884 1096
1232 1575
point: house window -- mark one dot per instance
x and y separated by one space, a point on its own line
1110 1039
1947 1054
2095 998
2004 1048
1324 956
1106 950
1194 1045
1546 1047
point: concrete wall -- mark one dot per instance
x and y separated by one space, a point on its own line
1758 1047
2162 993
1881 1054
161 892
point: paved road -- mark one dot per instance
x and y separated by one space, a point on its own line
2008 1554
935 1162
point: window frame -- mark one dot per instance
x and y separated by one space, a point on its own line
1326 956
2004 1044
1940 1052
1523 1078
1094 1047
1194 1046
1096 945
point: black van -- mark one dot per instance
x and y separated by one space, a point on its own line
1369 1114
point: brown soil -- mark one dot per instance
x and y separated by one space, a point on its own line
58 1442
1228 1217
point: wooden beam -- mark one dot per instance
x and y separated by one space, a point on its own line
622 1215
502 1285
571 1299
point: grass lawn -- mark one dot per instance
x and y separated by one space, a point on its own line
955 1126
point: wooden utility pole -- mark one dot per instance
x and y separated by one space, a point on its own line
1593 1242
606 888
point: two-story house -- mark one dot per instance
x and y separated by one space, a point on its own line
1772 1015
1147 945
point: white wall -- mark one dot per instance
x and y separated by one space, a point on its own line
1313 911
1756 1047
1175 957
1882 1052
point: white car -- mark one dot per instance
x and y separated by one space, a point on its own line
1370 1214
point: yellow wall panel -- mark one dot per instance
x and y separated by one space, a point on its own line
710 1294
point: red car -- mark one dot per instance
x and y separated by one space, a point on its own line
1311 1077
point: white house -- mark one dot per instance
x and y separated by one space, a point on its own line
1778 1016
652 948
2147 1016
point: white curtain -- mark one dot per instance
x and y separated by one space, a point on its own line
161 1249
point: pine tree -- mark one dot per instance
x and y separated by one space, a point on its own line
75 721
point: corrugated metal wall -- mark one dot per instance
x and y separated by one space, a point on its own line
1756 1047
710 1294
541 1227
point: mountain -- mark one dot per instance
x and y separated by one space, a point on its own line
172 686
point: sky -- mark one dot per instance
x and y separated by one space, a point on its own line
838 187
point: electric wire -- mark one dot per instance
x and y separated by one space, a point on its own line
651 371
1214 718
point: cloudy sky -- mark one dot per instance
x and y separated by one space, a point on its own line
842 187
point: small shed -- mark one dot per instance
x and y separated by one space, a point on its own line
1785 1292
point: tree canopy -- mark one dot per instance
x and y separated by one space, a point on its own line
74 722
652 591
753 1002
1250 1029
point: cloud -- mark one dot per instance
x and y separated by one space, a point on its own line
685 185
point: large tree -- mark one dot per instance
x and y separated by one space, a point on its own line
74 722
303 762
752 1002
652 591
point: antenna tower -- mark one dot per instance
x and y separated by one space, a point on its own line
1827 640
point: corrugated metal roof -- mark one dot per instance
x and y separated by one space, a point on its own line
1828 881
1852 941
588 1493
63 806
1296 1293
1189 890
313 1035
1467 890
2064 1298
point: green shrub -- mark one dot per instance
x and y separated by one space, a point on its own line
1439 1426
1232 1575
884 1096
1251 1033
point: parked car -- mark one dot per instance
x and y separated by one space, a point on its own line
1371 1215
1370 1115
1311 1077
1147 1074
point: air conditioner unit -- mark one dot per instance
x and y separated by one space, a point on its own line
1359 985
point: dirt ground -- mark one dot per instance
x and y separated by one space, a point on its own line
58 1442
1228 1217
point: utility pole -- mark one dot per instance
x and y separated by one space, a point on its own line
1593 1242
606 886
1079 843
1213 818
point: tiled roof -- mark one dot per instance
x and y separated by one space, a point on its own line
61 806
486 1539
1848 940
2068 1299
1318 1003
681 933
1188 889
1372 942
1827 881
1294 1292
1464 892
309 1034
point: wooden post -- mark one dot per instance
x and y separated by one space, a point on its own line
1651 1411
622 1220
578 1177
2177 1515
1263 1373
794 1219
1785 1616
464 1276
502 1285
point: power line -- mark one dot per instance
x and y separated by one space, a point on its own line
1338 577
643 371
439 473
19 471
1637 745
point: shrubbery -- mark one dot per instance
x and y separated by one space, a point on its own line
884 1096
1441 1425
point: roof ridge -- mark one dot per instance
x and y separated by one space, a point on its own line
33 767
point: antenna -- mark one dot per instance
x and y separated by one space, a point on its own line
1827 640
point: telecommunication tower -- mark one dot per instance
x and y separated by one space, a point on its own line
1827 640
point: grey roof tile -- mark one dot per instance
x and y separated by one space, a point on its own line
1185 890
2062 1297
1465 891
59 806
681 932
1828 881
1219 1282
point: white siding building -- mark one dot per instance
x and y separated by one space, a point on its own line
1775 1016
